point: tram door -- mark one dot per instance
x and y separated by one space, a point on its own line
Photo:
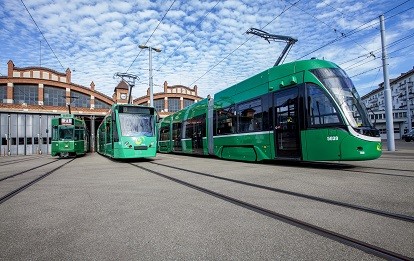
286 130
176 136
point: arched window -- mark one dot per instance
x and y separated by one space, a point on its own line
101 104
25 93
173 104
159 104
54 96
79 99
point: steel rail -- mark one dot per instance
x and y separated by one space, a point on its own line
363 246
20 189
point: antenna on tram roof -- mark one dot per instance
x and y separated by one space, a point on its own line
277 38
130 82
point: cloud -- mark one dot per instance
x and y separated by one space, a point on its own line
203 42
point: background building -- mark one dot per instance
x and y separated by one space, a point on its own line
402 102
31 96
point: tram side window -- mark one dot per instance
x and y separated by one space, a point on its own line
189 129
250 116
79 134
165 133
55 135
321 110
226 121
176 131
195 128
108 131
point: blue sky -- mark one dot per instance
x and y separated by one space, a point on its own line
203 42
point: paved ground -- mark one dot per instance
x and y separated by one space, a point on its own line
94 208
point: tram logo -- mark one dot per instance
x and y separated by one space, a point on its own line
139 140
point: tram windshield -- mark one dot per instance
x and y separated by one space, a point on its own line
342 89
136 124
66 133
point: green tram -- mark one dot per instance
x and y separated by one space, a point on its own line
128 131
305 110
69 136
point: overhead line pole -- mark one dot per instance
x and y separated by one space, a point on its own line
387 91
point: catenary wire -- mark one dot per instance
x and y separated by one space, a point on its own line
356 30
243 43
372 54
42 34
185 37
151 35
343 35
321 21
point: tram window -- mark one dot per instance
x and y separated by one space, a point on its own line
13 141
3 141
189 129
107 130
78 134
29 141
250 116
66 134
35 140
55 133
226 121
44 140
195 128
165 133
176 130
320 109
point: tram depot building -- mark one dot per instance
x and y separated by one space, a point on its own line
31 96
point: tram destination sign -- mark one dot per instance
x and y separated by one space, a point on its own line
66 121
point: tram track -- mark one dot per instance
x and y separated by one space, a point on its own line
14 161
32 182
349 168
301 195
346 240
22 172
380 173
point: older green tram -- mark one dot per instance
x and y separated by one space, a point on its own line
69 136
305 110
128 131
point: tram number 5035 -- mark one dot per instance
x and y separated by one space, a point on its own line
332 138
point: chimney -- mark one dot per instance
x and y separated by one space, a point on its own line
68 76
10 67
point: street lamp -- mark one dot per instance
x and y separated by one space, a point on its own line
150 70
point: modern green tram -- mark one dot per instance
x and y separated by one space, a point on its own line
69 136
305 110
128 131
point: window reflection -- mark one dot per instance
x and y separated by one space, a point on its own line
66 133
320 108
136 124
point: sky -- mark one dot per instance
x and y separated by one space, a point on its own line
202 43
